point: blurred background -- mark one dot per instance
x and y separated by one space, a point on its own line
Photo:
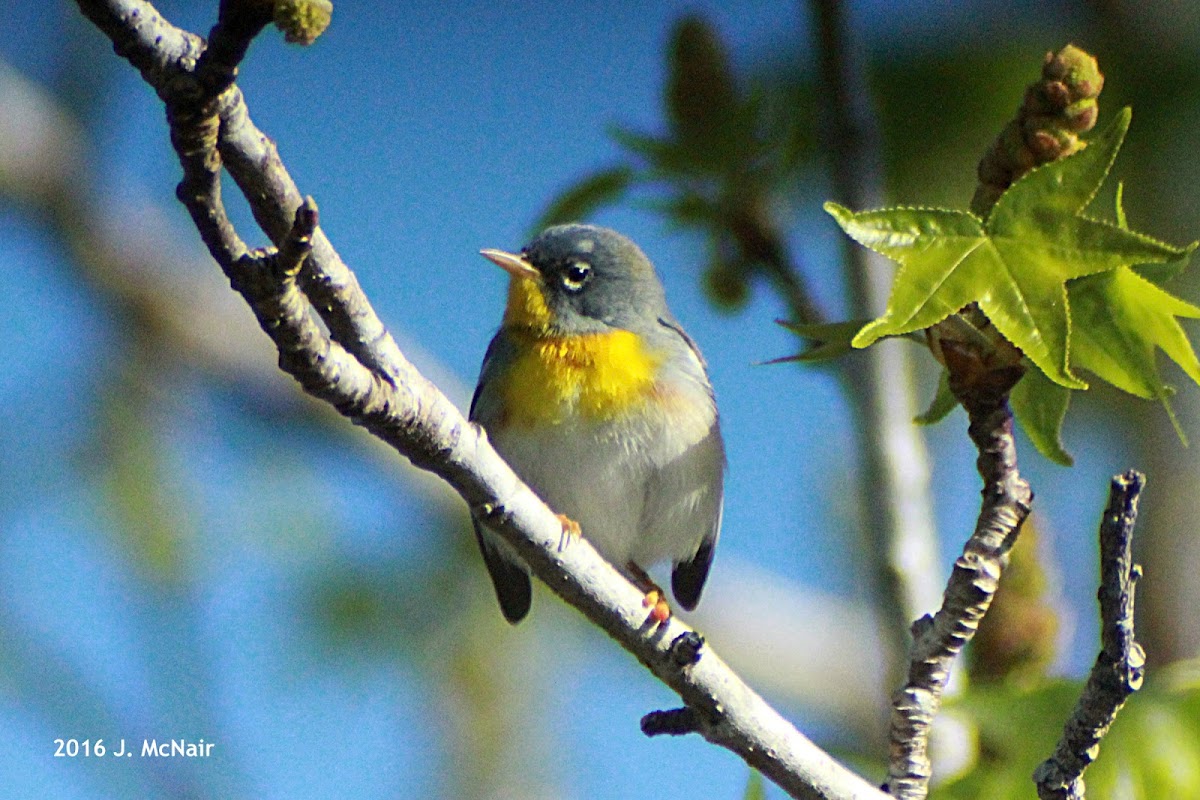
191 548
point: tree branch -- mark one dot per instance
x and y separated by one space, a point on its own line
896 500
1120 666
358 369
938 640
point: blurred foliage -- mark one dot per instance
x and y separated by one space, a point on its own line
598 189
1018 639
441 617
1151 751
733 146
150 508
755 790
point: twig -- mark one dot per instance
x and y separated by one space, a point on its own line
167 56
1121 663
761 242
982 371
937 641
898 514
359 370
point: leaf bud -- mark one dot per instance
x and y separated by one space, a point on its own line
726 285
302 21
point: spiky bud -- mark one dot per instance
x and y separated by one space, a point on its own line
302 21
1054 111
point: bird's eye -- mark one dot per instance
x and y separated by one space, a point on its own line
576 275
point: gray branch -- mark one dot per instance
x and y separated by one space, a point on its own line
359 369
1121 663
938 640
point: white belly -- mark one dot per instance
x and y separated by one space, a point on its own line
641 489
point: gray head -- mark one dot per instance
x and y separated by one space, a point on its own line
591 278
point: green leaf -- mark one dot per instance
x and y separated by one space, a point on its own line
701 95
578 202
942 404
1151 751
755 790
828 339
1123 316
1155 273
666 158
1040 406
1120 319
659 154
1015 265
1064 187
1160 274
688 209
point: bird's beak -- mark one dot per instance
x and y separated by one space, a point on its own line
511 263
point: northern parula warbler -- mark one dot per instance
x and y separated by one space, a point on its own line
597 398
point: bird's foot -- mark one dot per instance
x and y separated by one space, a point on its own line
660 612
570 531
655 599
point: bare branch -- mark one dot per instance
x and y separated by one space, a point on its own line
297 246
238 22
170 297
938 640
896 500
167 58
358 369
672 722
1120 666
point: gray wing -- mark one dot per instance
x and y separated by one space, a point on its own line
689 575
511 581
509 576
708 456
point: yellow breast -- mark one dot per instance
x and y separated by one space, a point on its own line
597 376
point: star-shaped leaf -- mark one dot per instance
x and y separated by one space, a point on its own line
1122 317
1118 321
828 340
1119 318
1040 405
1015 264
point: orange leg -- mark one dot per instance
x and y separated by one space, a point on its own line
570 530
655 599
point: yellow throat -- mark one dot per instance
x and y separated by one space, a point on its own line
596 375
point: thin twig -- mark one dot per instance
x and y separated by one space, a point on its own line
166 56
363 374
760 241
1121 663
972 585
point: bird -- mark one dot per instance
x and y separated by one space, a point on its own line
601 403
